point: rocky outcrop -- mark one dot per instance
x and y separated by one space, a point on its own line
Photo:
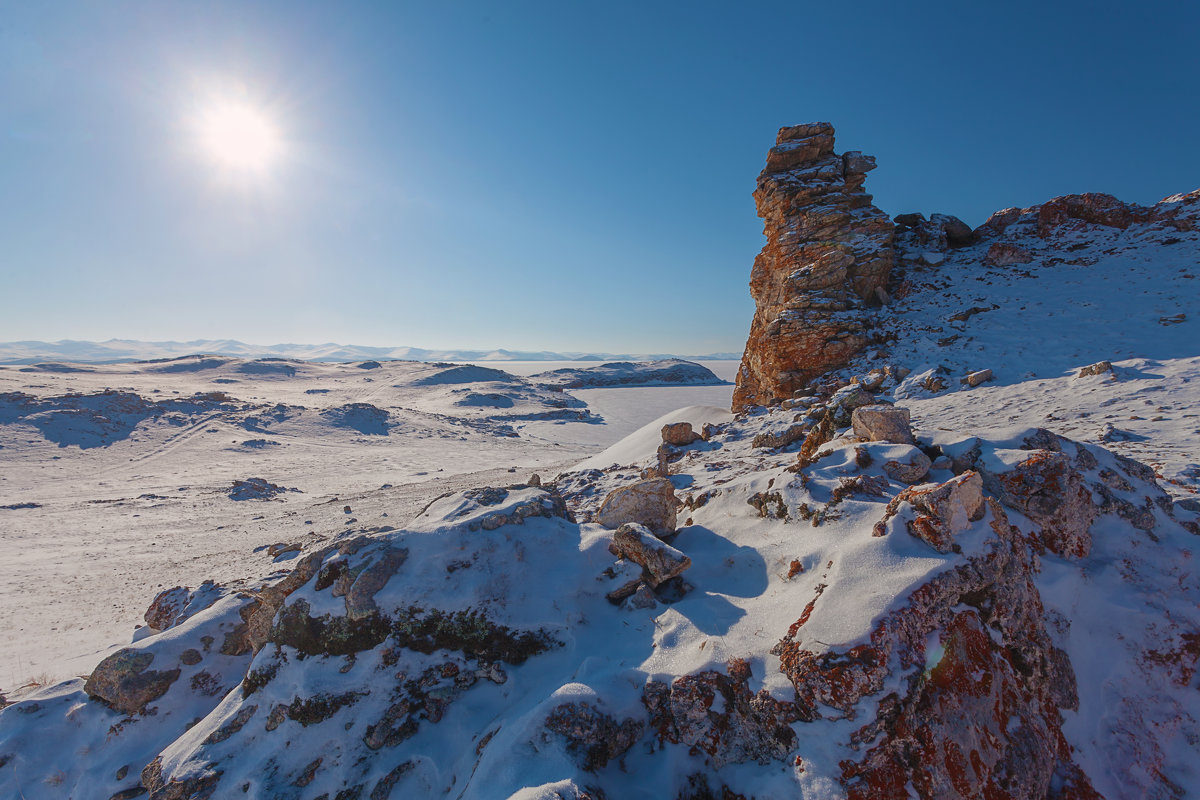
825 263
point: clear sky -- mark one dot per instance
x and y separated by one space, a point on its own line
559 175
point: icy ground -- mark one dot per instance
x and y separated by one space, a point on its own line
105 500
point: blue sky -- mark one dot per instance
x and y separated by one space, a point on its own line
558 175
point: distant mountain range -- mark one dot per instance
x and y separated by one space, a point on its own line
120 350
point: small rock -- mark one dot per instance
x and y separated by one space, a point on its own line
279 548
679 434
912 471
978 377
1098 368
166 608
880 423
1002 254
535 480
642 598
659 560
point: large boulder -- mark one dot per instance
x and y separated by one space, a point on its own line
651 503
125 681
882 423
942 510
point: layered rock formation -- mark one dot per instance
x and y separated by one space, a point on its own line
826 261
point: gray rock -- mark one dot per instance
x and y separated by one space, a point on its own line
911 471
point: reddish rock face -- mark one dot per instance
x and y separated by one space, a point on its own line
828 250
973 645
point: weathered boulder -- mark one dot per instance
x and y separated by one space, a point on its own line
1045 487
775 439
1099 368
651 503
943 510
594 736
659 560
718 716
1093 208
880 423
957 232
827 257
978 377
125 681
911 470
166 607
679 434
1003 254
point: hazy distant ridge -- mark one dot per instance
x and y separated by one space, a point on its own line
117 350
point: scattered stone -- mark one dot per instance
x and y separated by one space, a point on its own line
535 480
594 736
256 489
679 434
1003 254
943 510
880 423
975 378
650 502
911 471
659 560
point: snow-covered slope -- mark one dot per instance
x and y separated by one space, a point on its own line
473 653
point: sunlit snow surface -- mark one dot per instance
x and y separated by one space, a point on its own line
106 509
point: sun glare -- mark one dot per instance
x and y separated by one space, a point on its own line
239 137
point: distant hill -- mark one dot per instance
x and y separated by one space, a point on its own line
120 350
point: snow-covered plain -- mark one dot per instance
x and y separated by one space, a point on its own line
105 500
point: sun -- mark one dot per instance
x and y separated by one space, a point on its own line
239 137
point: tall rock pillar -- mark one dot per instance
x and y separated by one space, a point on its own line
826 261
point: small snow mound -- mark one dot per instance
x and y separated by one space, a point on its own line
467 373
